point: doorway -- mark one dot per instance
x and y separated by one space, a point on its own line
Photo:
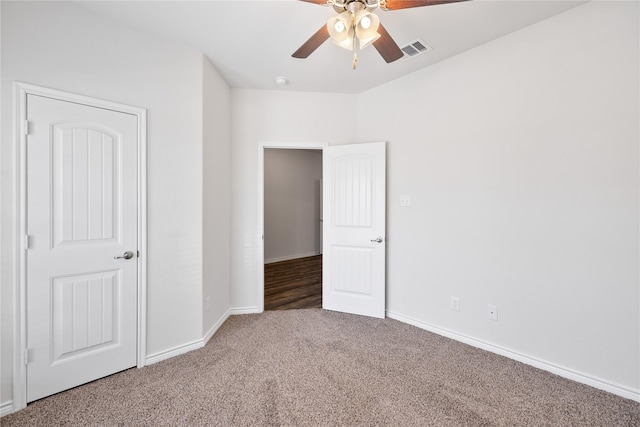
292 228
280 257
354 226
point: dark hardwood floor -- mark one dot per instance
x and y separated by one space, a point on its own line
292 284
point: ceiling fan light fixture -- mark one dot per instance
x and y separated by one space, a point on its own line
339 26
366 42
367 24
347 42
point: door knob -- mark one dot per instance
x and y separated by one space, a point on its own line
126 255
378 240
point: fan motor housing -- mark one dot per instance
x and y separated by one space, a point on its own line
353 6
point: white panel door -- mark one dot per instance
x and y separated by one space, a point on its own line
354 211
81 213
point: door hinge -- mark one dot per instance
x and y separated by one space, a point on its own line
27 241
28 356
25 127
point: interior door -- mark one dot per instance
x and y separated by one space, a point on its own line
82 249
354 215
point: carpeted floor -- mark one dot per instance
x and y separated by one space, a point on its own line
320 368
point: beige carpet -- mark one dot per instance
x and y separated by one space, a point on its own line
318 368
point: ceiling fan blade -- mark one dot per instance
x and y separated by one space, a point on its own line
406 4
315 1
313 43
387 47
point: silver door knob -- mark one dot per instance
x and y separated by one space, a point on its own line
378 240
126 255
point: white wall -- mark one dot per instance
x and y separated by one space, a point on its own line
64 47
216 268
521 159
269 116
291 203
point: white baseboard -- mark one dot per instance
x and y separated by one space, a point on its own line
6 408
598 383
244 310
216 326
194 345
185 348
173 352
290 257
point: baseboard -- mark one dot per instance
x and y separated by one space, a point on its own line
244 310
290 257
216 326
173 352
194 345
523 358
6 408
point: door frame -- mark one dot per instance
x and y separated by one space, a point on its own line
20 92
261 147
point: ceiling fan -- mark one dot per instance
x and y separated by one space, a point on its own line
355 23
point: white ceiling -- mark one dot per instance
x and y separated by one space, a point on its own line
251 42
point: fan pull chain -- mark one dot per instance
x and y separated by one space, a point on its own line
355 50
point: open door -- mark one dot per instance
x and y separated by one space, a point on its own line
354 215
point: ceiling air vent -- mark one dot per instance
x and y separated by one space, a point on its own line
414 48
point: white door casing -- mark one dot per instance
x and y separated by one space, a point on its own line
354 217
80 313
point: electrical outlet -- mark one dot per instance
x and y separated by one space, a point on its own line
492 312
207 304
405 200
455 303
